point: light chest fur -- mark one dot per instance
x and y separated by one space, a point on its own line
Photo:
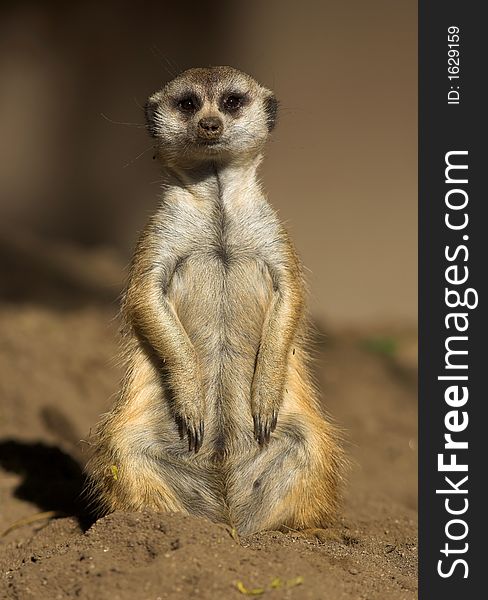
220 286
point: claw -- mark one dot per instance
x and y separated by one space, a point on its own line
193 432
182 428
191 439
263 430
274 420
199 437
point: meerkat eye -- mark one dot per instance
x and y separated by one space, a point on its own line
232 102
187 104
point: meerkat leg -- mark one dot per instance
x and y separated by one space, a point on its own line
155 320
141 480
279 331
139 459
290 483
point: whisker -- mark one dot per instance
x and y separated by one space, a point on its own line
131 162
161 182
170 67
140 125
138 104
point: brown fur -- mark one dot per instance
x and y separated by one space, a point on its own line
217 415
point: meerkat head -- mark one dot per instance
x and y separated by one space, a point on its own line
210 114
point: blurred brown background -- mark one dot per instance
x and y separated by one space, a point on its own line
341 168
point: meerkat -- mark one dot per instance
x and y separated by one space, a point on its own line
217 416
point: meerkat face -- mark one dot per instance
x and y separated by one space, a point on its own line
209 114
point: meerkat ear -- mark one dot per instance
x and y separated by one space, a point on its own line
271 110
150 109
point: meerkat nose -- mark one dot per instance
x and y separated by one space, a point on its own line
210 128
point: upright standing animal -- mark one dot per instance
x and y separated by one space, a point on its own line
217 415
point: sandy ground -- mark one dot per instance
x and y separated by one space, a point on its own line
57 374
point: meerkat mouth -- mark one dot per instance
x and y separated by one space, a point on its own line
209 142
210 146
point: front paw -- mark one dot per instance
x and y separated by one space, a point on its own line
192 426
264 425
266 399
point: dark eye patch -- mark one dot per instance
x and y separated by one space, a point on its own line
188 103
231 102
